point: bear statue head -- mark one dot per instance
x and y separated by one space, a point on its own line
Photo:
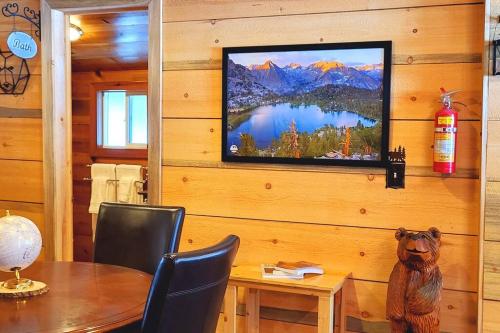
418 250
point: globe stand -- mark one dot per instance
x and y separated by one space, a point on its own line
17 283
37 288
21 287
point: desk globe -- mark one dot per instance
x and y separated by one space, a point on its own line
20 245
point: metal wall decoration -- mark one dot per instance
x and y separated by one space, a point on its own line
14 74
14 71
30 15
395 172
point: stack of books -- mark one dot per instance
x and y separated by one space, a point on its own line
290 270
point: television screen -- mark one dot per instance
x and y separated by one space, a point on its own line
309 104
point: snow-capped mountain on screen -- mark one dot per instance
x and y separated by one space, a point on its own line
297 78
250 85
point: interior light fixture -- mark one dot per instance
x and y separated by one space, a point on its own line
75 32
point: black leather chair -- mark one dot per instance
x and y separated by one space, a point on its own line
136 236
188 289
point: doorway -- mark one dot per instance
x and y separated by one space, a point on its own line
109 75
106 66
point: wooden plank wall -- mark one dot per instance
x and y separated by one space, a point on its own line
21 176
340 217
81 85
491 241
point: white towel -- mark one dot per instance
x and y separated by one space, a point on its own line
129 183
103 189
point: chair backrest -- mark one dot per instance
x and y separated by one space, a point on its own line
136 236
188 289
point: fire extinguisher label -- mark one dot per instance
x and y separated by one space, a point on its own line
444 147
445 120
445 130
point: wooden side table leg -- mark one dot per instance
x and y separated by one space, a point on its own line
325 314
253 310
230 303
339 312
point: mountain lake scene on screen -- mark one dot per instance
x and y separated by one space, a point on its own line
324 104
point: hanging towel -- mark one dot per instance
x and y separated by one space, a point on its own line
103 189
129 183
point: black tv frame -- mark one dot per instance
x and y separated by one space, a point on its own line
386 84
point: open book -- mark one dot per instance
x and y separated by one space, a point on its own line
299 267
290 270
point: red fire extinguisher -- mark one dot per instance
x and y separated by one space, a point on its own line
445 135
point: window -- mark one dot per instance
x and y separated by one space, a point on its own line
124 119
120 120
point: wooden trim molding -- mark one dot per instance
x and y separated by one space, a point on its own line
20 113
56 118
155 96
483 175
72 7
56 112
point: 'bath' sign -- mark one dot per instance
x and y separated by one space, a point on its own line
22 45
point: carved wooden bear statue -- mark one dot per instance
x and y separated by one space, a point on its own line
415 284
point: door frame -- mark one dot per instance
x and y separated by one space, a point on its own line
57 119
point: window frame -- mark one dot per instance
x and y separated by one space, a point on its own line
97 149
131 145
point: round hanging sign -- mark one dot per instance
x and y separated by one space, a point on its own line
22 45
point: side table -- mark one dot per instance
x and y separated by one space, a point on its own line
327 288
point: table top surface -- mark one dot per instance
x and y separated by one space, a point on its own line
330 282
82 297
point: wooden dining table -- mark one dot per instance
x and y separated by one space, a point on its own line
82 297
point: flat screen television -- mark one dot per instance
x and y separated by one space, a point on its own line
308 104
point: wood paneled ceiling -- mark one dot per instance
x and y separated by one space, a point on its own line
114 41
